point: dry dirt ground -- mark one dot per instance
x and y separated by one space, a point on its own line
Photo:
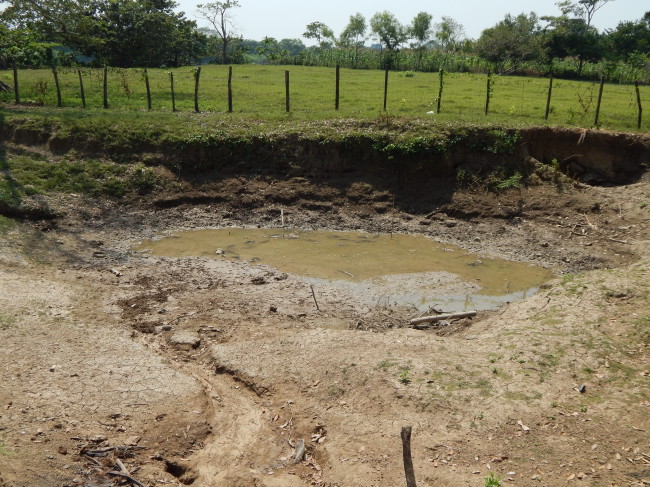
212 373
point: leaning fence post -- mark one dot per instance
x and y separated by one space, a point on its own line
406 454
287 98
337 92
146 83
16 90
638 102
197 76
548 98
81 89
171 81
105 86
487 96
442 74
600 98
229 89
385 89
59 103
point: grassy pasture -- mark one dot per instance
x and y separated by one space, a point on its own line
259 93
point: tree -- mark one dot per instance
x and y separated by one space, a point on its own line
354 33
22 47
388 30
420 30
292 47
582 8
73 23
323 35
449 34
629 38
148 33
218 14
513 40
575 36
271 50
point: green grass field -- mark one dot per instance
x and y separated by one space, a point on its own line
259 94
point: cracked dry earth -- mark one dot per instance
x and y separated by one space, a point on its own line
204 372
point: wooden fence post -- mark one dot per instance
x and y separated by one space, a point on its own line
548 98
286 89
230 89
600 99
337 91
487 96
81 89
59 103
442 74
638 102
16 90
171 81
105 87
146 83
406 453
385 89
197 76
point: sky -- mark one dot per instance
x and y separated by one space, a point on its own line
287 19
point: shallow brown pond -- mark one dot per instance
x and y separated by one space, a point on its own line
401 269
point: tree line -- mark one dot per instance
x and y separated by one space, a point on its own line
150 33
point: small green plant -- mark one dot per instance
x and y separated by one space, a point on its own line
405 377
386 364
583 409
513 181
492 480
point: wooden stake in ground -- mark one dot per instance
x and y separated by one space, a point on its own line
287 97
105 87
171 81
442 75
230 89
81 89
408 460
337 92
197 76
487 96
548 98
59 103
313 295
600 98
385 89
16 90
638 102
148 87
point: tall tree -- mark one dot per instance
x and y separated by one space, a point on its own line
512 40
321 33
388 30
575 36
449 34
218 14
420 30
354 33
630 38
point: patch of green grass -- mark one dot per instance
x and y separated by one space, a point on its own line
6 321
29 175
259 93
6 223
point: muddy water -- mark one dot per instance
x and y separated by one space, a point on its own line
395 269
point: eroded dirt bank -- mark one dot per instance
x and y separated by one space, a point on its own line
206 372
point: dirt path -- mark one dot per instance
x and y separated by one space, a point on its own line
182 366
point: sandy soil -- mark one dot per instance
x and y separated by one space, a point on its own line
211 373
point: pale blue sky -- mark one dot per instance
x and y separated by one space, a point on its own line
288 18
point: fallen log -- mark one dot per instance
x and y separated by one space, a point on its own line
446 316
